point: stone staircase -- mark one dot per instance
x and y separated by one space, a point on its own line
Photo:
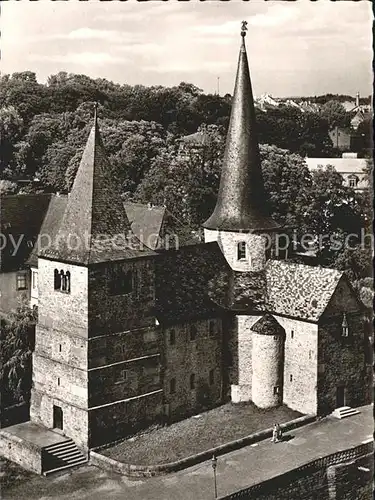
61 456
344 411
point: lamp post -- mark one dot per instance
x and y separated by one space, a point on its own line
214 465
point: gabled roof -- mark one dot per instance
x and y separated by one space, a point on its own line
21 218
50 226
157 227
95 227
182 282
298 290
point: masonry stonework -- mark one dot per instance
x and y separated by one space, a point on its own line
200 357
268 364
300 364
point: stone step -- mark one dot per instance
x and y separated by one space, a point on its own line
344 411
62 444
62 455
76 463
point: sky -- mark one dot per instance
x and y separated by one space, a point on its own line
294 48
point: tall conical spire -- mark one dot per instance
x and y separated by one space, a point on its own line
241 200
94 227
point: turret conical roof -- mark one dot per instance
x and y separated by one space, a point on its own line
241 203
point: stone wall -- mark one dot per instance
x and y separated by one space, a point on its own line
124 380
124 346
18 450
185 357
63 312
228 241
300 365
315 481
60 380
112 422
342 361
75 420
61 347
117 313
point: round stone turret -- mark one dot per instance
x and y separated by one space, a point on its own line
267 361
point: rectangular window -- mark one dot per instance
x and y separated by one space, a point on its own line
291 378
212 377
58 380
172 386
60 347
211 328
122 377
292 334
241 250
121 282
192 381
193 332
34 279
21 281
172 337
276 390
149 336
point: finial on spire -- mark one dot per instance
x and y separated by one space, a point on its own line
243 28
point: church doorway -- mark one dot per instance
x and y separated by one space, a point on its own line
57 417
340 396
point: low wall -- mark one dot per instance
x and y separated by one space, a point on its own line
17 450
309 477
155 470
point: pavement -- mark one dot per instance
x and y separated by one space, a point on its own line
235 470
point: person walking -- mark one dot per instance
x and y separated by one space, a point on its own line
276 433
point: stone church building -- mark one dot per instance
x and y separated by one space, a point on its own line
130 334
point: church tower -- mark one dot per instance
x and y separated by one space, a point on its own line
241 223
245 231
96 365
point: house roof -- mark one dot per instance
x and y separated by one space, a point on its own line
21 218
50 226
198 139
157 227
341 165
182 282
298 290
95 227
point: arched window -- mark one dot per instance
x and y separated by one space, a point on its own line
67 281
62 281
241 250
345 326
57 280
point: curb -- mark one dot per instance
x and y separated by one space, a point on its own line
140 471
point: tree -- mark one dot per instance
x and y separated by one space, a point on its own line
11 128
17 340
335 114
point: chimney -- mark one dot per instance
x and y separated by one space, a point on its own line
357 100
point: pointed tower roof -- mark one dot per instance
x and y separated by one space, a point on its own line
241 202
94 227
